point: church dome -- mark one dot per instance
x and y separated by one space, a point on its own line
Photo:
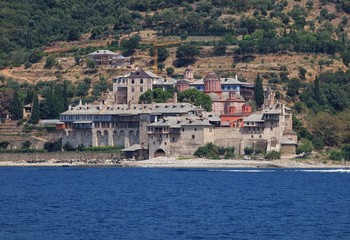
211 77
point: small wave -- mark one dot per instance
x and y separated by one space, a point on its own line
325 170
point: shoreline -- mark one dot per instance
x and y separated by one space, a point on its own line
174 162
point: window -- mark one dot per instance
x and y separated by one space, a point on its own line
141 81
132 81
173 139
252 136
183 129
164 143
141 89
195 129
193 137
259 136
154 143
132 89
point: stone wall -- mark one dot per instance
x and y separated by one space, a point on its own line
81 156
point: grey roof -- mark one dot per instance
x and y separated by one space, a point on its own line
102 52
255 117
164 81
123 109
276 109
160 108
176 122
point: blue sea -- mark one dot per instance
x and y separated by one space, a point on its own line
151 203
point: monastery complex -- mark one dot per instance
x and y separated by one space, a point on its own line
178 129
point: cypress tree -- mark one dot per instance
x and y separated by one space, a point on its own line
65 95
35 116
259 92
17 107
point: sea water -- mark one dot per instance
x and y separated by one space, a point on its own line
150 203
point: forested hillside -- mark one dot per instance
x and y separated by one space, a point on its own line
257 26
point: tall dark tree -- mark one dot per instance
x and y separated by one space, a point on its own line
29 96
17 107
65 95
259 92
35 116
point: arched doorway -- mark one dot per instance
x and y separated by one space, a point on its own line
159 153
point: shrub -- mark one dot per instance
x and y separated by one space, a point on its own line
345 150
230 152
221 150
248 150
4 144
258 151
273 155
26 144
335 154
68 148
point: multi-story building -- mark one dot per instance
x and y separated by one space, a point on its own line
115 125
130 87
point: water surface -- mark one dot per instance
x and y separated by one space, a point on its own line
139 203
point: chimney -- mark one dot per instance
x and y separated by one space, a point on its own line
80 102
175 97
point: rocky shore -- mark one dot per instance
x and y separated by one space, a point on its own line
174 162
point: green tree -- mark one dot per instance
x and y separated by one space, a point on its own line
305 147
35 115
169 71
163 53
16 107
259 92
302 73
50 61
26 144
197 98
186 54
345 150
293 86
248 150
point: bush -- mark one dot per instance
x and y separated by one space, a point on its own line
53 146
68 148
230 152
210 150
273 155
4 144
345 150
50 62
258 151
248 150
169 71
335 154
26 145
